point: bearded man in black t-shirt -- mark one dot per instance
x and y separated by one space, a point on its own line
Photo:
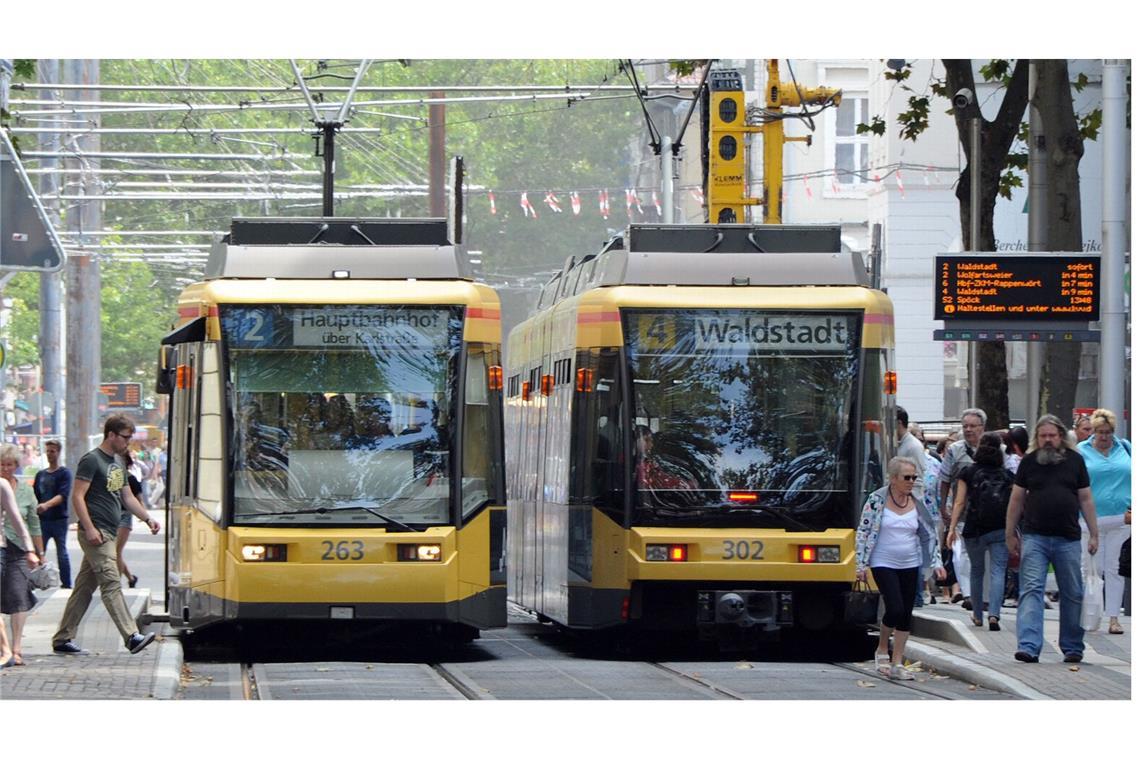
1051 490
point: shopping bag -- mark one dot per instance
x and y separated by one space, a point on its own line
44 576
962 566
861 606
1092 606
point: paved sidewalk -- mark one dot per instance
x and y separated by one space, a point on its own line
945 639
109 672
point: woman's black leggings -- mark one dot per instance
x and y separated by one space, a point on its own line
897 589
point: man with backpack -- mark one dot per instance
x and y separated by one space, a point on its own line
1052 488
983 494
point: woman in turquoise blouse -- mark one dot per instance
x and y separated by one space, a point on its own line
1109 462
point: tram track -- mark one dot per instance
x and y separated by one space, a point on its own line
249 683
912 685
693 679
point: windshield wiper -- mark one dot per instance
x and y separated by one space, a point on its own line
352 507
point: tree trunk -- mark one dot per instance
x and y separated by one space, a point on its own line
1065 147
997 137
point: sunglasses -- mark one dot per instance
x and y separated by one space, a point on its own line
909 478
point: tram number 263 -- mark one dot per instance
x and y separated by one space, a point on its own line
343 550
742 549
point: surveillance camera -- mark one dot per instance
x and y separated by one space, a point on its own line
964 98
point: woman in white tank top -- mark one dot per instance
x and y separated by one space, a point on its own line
896 540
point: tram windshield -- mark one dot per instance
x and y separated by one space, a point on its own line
742 412
341 412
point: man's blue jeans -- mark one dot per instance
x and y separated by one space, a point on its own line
976 547
1036 553
56 530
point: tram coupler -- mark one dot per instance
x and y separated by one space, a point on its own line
749 609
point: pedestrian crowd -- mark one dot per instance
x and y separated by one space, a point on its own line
1021 503
109 489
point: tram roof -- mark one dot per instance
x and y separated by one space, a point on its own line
337 248
713 254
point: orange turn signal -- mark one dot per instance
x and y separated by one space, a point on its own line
890 382
495 378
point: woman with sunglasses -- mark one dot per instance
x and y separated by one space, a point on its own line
896 540
983 494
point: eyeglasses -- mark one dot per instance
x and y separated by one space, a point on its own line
909 478
126 436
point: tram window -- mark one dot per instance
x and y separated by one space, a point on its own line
482 422
340 406
596 475
746 400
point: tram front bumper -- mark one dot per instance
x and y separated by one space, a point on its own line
744 608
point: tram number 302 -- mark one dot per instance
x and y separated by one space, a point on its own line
742 549
343 550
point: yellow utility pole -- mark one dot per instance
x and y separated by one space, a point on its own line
779 95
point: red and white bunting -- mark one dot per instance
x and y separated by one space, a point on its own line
835 181
528 210
698 195
491 198
575 203
629 203
807 189
657 204
552 201
899 182
604 204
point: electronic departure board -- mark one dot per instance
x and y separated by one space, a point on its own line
995 288
122 395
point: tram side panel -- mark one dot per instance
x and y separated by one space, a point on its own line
558 363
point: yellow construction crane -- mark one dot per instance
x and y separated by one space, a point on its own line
728 127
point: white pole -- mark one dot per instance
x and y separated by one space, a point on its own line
667 178
1112 318
1038 208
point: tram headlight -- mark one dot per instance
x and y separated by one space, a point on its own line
263 553
419 552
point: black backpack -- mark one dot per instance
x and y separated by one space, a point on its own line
987 499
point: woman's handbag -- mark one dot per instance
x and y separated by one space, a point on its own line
1092 606
861 606
44 576
1125 562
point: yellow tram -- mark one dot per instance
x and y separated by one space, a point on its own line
694 417
335 448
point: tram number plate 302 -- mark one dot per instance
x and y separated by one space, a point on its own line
342 550
742 549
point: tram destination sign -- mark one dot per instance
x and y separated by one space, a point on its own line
996 288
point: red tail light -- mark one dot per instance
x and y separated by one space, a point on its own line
678 553
807 554
743 497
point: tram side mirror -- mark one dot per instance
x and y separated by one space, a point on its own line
164 378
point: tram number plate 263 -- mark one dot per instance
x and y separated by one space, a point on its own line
742 549
342 550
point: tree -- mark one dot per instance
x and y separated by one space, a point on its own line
1064 144
997 137
1000 170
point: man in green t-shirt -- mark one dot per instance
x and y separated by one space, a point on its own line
98 497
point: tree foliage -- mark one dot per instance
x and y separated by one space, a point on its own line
534 145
